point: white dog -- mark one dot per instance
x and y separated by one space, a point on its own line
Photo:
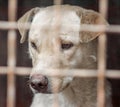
55 44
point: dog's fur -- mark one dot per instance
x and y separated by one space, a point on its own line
47 53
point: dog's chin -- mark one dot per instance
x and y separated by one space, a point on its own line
47 92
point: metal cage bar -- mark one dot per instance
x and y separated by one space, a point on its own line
12 10
57 2
103 6
4 25
58 14
22 71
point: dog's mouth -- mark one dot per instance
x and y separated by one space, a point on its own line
42 91
47 90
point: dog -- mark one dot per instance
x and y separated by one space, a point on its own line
58 43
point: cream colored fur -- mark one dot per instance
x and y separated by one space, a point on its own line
72 91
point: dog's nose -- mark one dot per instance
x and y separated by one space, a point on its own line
39 83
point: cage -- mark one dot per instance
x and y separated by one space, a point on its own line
15 64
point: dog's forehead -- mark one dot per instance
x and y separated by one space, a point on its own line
47 21
52 17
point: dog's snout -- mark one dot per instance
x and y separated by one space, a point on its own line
39 83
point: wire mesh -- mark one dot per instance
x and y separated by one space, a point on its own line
11 70
12 7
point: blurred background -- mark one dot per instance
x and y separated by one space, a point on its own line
23 92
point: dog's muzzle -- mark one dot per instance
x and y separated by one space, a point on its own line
39 83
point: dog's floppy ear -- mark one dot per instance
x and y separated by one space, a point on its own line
90 17
26 18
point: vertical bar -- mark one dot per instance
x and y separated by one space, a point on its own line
101 71
12 7
103 5
57 2
57 23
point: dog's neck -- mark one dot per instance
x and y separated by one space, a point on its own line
72 96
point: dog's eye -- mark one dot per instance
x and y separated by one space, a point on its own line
33 45
66 46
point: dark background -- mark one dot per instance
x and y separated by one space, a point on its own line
23 92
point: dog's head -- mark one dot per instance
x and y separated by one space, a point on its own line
58 43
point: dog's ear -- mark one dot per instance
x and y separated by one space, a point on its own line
26 18
93 18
